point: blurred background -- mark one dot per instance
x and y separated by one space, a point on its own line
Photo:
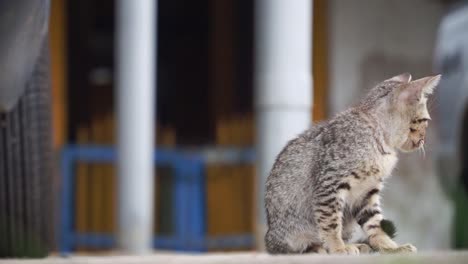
215 131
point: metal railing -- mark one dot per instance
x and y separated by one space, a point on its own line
189 198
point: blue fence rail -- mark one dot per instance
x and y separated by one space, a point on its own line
189 201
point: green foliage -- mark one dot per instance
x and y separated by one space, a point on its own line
460 227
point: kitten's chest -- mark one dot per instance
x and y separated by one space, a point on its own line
372 176
384 164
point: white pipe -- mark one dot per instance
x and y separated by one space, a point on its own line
283 83
135 53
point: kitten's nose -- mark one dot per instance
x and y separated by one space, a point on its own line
422 135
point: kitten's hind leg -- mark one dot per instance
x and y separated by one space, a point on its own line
349 236
328 216
275 244
316 248
319 249
363 248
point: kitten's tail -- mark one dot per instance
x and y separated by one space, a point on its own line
388 227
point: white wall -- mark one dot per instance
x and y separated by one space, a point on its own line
371 40
400 30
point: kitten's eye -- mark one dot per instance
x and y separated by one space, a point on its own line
420 120
412 130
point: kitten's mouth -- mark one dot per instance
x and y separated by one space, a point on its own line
418 144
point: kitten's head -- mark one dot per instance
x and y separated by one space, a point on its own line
403 103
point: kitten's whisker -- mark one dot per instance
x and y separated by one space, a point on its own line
423 151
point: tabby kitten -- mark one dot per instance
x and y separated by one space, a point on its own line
330 177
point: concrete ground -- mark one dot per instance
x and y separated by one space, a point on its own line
239 258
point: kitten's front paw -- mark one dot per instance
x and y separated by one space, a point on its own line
363 248
349 249
406 248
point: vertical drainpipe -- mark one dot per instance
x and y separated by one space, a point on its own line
283 83
136 68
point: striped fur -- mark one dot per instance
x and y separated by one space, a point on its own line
329 179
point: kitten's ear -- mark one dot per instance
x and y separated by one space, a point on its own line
431 83
415 90
403 78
